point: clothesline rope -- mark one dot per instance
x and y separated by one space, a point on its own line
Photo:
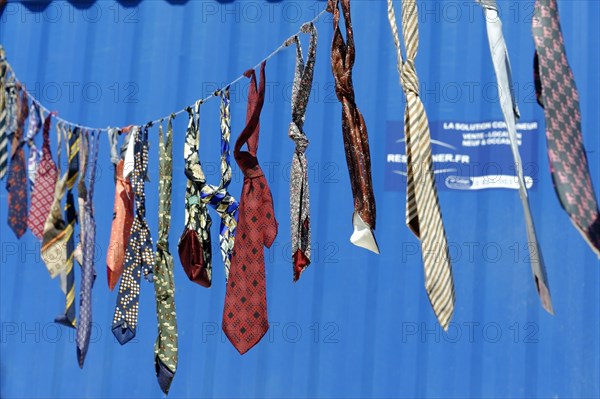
160 120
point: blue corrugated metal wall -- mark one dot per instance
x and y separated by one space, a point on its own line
357 324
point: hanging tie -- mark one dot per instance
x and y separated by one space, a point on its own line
43 191
194 244
217 196
245 319
423 214
17 173
122 216
354 130
68 318
82 193
165 347
511 115
56 231
139 257
299 194
558 95
88 275
35 124
4 114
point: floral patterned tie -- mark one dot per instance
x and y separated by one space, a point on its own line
165 347
558 95
139 257
245 319
194 246
35 124
299 194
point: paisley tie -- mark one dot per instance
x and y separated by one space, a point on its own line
35 124
299 194
354 130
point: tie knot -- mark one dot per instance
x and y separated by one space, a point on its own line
298 137
408 78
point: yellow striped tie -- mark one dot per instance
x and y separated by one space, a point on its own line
423 214
68 319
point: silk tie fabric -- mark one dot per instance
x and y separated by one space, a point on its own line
299 194
122 220
35 123
82 194
43 191
165 347
56 230
217 196
68 318
139 257
16 183
354 130
88 275
194 247
558 95
423 214
510 111
3 115
245 319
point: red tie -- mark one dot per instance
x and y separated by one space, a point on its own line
245 319
43 190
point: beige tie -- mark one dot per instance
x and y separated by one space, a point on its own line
423 214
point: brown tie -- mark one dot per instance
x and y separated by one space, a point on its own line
356 139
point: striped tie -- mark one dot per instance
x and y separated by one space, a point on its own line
68 319
511 114
423 215
3 117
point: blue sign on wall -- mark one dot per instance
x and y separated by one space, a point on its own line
467 155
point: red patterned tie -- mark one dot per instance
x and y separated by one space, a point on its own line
17 174
558 95
43 190
245 319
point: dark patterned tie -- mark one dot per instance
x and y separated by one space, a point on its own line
88 268
299 194
245 319
510 110
423 213
354 130
16 185
558 95
43 191
217 196
68 318
165 347
194 247
139 257
35 124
